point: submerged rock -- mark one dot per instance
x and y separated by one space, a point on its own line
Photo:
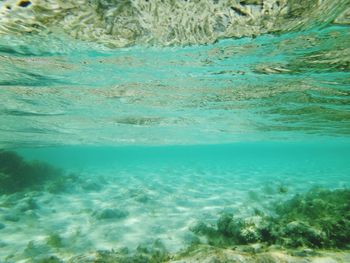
2 244
28 204
110 213
49 259
140 195
63 183
90 185
12 217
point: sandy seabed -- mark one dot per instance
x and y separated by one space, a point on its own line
112 210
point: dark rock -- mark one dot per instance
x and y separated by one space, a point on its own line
24 3
111 213
91 186
28 204
11 217
49 259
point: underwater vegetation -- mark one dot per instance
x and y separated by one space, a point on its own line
317 219
147 253
306 225
17 174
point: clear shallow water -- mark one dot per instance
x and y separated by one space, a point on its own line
294 86
168 135
164 191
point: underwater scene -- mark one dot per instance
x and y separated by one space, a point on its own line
183 131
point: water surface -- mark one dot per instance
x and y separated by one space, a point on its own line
171 112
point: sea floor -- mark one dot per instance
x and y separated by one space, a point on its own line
156 197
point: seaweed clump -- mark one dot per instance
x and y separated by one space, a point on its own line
149 253
318 219
16 174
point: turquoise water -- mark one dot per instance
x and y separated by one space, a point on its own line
164 190
270 87
167 130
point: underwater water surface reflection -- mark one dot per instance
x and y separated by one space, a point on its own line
174 131
293 86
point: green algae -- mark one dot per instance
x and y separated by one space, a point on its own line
16 174
282 189
154 252
34 250
206 253
63 183
317 219
54 240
